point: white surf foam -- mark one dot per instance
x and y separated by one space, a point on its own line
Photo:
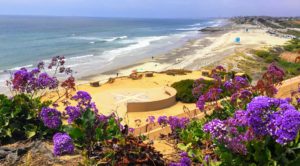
188 29
96 39
195 25
139 42
19 67
80 57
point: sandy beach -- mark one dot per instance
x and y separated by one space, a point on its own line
200 53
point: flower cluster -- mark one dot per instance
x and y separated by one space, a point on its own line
275 117
173 121
184 161
177 123
150 119
273 76
25 81
264 116
229 132
162 120
63 144
236 87
51 117
285 125
84 102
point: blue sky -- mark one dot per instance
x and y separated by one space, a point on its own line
151 8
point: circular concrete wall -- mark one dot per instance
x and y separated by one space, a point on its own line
161 102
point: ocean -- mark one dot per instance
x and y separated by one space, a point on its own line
90 45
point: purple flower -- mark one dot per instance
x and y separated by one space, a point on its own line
216 128
201 102
29 81
41 65
102 118
150 119
73 112
131 130
35 71
234 97
228 85
207 159
240 82
84 101
285 125
245 94
184 161
240 117
259 111
220 68
213 94
51 117
227 132
162 120
45 81
63 144
177 123
82 97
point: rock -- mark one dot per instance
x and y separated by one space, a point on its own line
12 158
211 29
95 84
149 74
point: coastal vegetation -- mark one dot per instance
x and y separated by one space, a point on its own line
269 56
243 125
184 91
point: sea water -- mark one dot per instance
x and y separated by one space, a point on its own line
90 45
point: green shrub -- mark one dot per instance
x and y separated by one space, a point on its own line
292 45
19 118
262 53
184 91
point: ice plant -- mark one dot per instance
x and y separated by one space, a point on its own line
63 144
51 117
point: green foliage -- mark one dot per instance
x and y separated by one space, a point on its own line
290 68
19 118
261 152
192 137
184 91
193 133
86 131
262 53
223 112
293 32
292 45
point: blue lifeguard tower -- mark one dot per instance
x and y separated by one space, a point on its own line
238 40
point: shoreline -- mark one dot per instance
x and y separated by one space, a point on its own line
160 62
211 48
